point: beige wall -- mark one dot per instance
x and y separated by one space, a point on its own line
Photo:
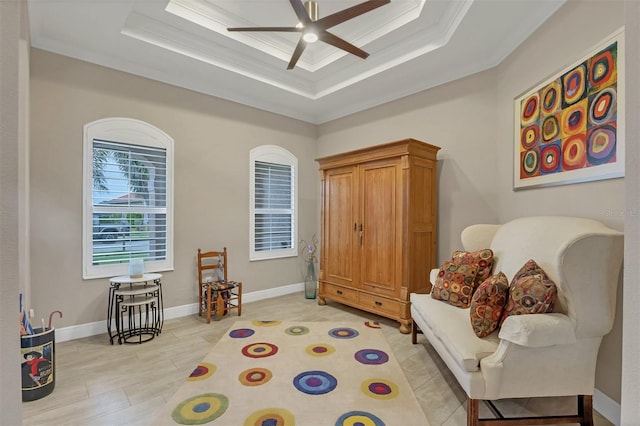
472 121
454 117
212 138
13 82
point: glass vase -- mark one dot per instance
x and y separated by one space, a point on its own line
310 281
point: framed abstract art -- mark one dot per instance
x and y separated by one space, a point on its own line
570 128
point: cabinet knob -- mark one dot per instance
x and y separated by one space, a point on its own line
378 303
339 291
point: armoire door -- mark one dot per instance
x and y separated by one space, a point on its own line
339 230
380 210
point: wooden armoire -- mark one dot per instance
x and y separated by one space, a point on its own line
379 230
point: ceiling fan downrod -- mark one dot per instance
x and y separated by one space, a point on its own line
312 9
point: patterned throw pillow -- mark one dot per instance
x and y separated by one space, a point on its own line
531 292
488 303
483 258
455 284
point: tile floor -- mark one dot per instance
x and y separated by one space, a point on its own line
100 384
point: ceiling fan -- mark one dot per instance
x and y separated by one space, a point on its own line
314 28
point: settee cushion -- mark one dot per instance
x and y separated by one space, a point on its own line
454 284
482 258
530 292
488 303
451 326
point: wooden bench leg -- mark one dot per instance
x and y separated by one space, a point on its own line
414 332
473 412
585 409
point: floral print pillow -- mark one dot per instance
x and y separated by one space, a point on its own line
482 258
454 284
531 292
487 304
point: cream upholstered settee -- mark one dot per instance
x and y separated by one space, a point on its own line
534 355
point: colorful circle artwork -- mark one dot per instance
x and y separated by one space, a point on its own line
574 119
530 108
602 107
343 333
200 409
601 144
550 98
266 323
203 371
380 388
529 163
259 350
359 418
315 382
574 84
255 376
550 155
241 333
372 324
371 356
270 417
320 349
530 136
297 330
574 153
601 69
550 128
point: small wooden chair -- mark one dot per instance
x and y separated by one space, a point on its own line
219 296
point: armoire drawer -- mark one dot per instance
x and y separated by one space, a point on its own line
336 292
380 304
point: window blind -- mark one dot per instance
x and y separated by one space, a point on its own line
274 206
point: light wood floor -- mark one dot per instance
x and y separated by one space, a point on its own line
100 384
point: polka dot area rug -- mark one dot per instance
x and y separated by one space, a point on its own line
285 373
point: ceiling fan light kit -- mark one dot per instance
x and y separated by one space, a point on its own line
310 37
314 28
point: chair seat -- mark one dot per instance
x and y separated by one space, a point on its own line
221 285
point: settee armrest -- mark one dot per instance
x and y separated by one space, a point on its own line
538 330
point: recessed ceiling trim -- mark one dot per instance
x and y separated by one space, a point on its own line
428 42
215 19
162 35
159 34
378 27
218 19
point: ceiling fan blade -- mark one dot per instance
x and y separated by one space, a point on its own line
281 29
301 11
296 53
349 13
336 41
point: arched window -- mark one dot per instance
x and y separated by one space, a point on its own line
128 197
273 204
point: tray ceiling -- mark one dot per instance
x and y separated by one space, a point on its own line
413 44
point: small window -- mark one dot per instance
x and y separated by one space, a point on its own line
273 204
128 183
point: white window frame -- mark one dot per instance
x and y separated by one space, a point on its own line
278 155
126 131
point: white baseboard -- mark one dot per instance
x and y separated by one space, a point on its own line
606 406
100 327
